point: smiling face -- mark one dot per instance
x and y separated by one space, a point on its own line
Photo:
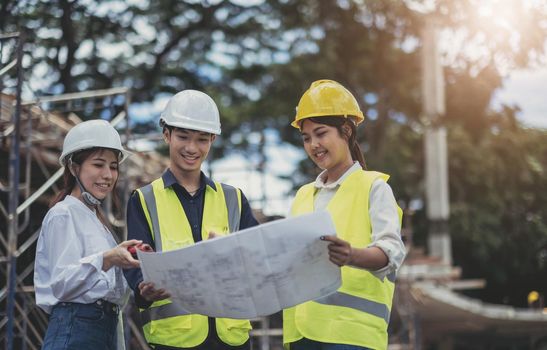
326 147
188 149
98 173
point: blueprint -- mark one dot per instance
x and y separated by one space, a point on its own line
249 273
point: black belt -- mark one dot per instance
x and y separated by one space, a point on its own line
107 306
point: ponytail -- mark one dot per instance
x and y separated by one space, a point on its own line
354 147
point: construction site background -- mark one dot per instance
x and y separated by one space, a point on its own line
471 179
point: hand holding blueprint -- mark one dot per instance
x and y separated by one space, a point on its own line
250 273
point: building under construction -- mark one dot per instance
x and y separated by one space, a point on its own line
429 312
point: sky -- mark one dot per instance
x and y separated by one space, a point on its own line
528 90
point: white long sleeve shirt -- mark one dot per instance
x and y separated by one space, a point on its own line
386 231
69 258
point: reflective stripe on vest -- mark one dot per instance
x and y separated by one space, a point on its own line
357 303
148 194
232 204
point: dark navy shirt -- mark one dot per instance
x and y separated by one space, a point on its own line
138 228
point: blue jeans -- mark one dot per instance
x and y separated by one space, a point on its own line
307 344
82 327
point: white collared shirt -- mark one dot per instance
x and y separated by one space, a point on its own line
69 258
384 218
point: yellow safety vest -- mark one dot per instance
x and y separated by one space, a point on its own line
358 313
164 323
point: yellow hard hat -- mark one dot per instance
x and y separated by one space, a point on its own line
533 296
327 98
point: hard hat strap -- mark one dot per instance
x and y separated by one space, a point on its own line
87 197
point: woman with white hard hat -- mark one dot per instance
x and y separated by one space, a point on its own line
367 245
78 274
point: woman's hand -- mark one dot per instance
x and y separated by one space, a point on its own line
120 256
340 251
150 293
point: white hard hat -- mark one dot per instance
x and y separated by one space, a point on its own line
192 109
90 134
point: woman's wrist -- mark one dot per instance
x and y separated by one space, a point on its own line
107 260
352 258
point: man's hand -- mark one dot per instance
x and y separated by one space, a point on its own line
150 293
213 235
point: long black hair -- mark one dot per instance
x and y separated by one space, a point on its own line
350 136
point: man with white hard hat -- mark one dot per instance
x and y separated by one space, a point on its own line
181 208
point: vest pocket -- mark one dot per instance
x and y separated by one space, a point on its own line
233 332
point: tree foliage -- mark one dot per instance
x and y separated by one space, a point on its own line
498 223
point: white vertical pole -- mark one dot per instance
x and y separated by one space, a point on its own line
436 160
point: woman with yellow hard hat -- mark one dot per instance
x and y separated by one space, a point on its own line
368 244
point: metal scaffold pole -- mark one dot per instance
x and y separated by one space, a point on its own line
22 323
14 165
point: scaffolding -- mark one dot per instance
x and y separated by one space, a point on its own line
32 136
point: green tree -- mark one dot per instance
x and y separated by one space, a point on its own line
498 223
152 47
